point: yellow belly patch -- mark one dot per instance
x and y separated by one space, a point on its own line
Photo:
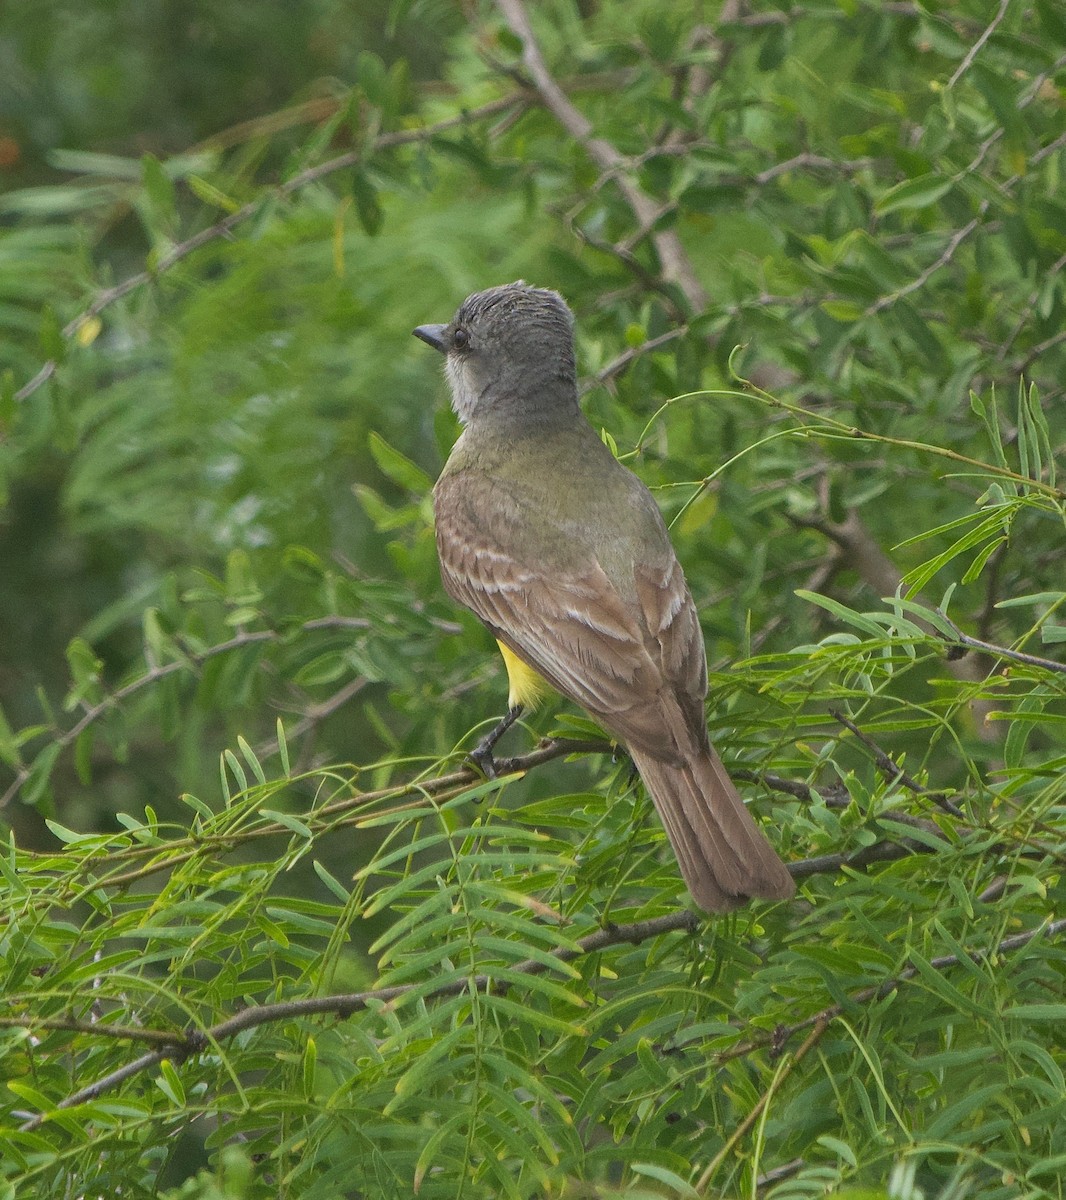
526 687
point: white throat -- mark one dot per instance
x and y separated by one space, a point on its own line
464 398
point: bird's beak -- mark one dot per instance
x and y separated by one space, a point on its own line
432 335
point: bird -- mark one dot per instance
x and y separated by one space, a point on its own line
562 552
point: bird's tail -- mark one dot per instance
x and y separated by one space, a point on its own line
724 856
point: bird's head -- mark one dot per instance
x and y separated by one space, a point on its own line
508 351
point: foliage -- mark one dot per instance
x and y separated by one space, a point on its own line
263 932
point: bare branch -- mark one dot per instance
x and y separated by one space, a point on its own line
1030 305
757 1109
128 1033
676 267
1050 929
948 253
617 365
814 161
975 49
892 771
972 643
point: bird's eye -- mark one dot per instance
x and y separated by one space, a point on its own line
460 339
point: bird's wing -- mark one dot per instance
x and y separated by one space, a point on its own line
632 662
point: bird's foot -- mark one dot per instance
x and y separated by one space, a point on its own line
482 754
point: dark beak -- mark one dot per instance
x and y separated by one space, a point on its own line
432 335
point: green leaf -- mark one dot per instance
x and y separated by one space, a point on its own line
919 192
159 189
839 1148
8 403
938 983
1032 417
308 1068
289 821
283 748
250 758
9 749
326 668
671 1179
209 194
1035 1012
40 772
367 206
397 467
198 806
1019 731
155 640
1032 599
26 1091
372 76
53 344
1053 20
845 311
229 759
241 587
432 1154
989 414
83 756
169 1083
975 568
331 881
847 615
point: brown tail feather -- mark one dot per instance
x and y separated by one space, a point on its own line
724 856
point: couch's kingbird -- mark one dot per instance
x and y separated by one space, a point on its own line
564 555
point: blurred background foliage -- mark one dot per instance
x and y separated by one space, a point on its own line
215 510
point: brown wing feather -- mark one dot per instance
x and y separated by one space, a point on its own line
624 658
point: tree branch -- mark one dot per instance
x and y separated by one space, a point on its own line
676 267
892 770
757 1109
972 643
184 1045
948 253
975 49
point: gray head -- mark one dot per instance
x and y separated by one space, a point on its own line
508 351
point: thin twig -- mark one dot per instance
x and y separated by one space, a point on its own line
975 49
442 788
1046 151
892 770
877 991
127 1033
757 1109
1030 304
818 162
954 242
617 365
314 714
183 1046
1042 348
972 643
